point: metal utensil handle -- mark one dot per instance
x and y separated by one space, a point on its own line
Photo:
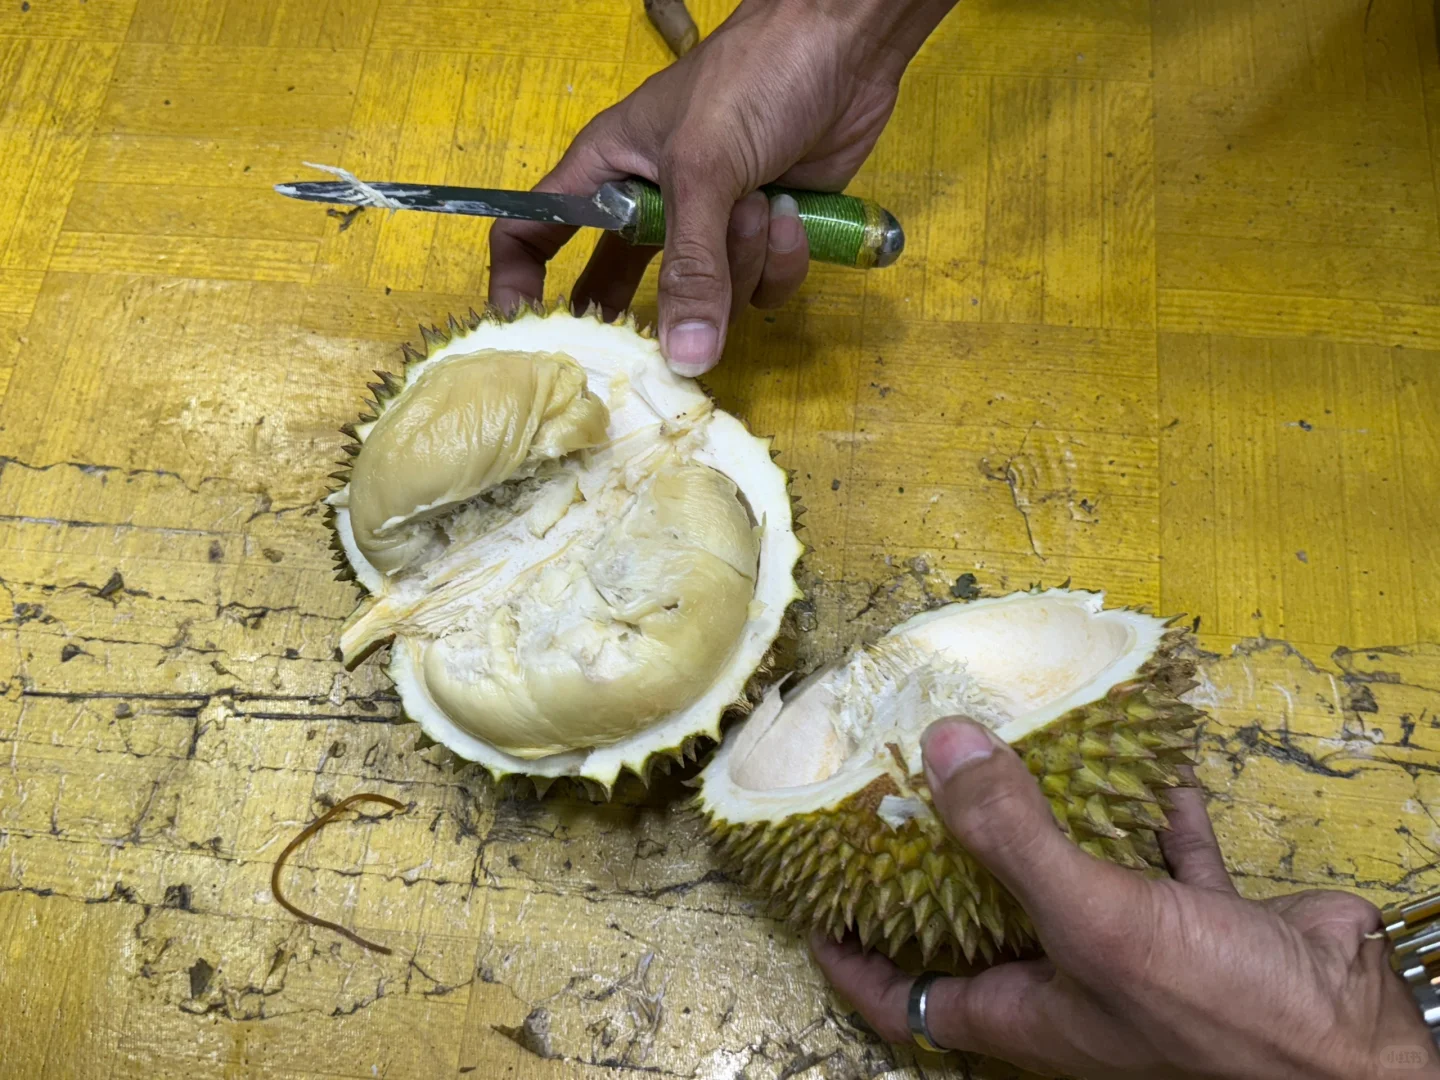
842 229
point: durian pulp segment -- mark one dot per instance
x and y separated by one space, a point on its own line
467 426
819 798
579 561
622 629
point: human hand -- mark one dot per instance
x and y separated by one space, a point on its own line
1160 979
788 91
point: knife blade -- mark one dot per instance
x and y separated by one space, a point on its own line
842 229
475 202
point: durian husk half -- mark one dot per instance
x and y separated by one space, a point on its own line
818 799
578 562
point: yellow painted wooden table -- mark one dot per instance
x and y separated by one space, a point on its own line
1168 325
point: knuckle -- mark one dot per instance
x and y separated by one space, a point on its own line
690 271
888 1017
1120 948
992 1021
996 819
1326 909
1349 903
892 1031
602 122
1186 845
512 244
608 125
705 154
683 160
501 238
1123 944
1365 914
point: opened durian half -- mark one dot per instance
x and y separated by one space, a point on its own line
578 561
819 801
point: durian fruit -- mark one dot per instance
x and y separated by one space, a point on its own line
577 560
818 799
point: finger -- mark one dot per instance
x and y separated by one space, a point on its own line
1189 845
1327 914
695 269
868 980
787 257
993 806
829 173
748 231
611 275
999 1012
520 250
1002 1013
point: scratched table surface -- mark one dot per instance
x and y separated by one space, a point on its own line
1168 325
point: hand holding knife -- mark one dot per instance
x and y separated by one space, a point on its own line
842 230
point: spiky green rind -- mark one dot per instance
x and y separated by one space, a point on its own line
343 571
580 788
1105 767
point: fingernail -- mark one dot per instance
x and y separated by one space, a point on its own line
950 745
749 216
690 347
785 230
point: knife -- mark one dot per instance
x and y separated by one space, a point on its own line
842 229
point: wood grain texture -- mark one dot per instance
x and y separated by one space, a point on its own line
1168 324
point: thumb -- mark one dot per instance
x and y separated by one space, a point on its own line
694 296
992 805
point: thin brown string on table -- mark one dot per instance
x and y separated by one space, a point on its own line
309 831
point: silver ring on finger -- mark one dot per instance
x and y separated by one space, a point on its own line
917 1012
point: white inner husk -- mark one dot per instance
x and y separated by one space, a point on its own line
1015 664
511 545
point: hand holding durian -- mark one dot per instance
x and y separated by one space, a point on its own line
580 565
1144 979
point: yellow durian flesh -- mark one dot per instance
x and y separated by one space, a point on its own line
629 630
577 561
465 427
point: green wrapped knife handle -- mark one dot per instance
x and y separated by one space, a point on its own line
842 229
